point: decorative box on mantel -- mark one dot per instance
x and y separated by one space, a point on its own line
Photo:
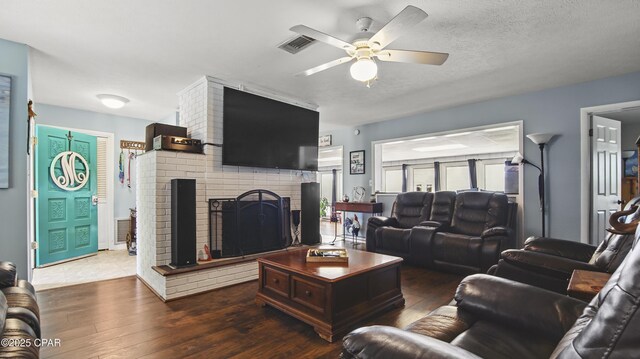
201 108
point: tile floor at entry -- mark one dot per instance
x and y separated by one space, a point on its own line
104 265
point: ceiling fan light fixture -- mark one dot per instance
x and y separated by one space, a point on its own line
364 69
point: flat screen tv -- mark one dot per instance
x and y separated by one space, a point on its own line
261 132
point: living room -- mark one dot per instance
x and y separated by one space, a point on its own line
434 162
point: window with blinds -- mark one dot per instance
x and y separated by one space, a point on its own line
101 169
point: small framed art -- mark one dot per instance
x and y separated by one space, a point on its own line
356 162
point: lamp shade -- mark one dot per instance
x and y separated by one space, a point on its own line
517 159
540 138
627 154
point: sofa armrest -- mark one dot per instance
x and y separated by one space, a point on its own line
7 274
372 225
560 247
387 342
497 232
380 221
518 305
26 316
544 263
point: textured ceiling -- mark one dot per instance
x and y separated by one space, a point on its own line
147 50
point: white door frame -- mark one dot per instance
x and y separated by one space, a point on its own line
585 160
110 185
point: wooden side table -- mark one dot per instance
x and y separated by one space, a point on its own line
374 208
585 285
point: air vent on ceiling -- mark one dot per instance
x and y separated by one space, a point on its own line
296 44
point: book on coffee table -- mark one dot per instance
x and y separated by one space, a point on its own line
327 255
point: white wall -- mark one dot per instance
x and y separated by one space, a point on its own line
554 110
13 200
630 133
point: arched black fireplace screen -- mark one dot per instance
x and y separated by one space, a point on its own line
256 221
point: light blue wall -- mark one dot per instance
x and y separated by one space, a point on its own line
555 110
13 201
123 128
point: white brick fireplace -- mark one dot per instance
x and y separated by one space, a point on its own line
201 111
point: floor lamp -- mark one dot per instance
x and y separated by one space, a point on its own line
540 139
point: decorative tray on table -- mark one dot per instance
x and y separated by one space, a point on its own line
327 255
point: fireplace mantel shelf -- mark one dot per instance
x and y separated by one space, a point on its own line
166 270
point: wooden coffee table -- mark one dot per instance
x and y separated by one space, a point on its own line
332 297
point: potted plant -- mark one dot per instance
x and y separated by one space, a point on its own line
324 204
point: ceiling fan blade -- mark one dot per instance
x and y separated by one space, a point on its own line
413 57
407 18
325 66
321 36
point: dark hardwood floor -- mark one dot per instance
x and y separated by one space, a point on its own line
121 318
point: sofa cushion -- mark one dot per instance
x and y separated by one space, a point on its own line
611 252
476 211
490 340
457 249
411 208
442 208
444 323
393 239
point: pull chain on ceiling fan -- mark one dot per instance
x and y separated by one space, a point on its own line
367 48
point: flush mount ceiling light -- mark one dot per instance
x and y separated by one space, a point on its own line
112 101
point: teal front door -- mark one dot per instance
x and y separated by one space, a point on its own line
66 206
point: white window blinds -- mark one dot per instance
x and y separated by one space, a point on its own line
102 169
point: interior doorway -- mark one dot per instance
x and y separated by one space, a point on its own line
607 144
330 174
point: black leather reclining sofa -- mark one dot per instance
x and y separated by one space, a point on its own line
462 233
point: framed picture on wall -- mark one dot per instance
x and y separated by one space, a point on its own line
356 162
5 107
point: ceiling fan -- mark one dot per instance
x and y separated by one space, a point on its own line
367 46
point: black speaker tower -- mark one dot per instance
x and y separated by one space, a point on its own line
183 222
310 216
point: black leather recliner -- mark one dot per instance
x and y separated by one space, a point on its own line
409 210
20 296
477 235
548 262
498 318
462 233
19 315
